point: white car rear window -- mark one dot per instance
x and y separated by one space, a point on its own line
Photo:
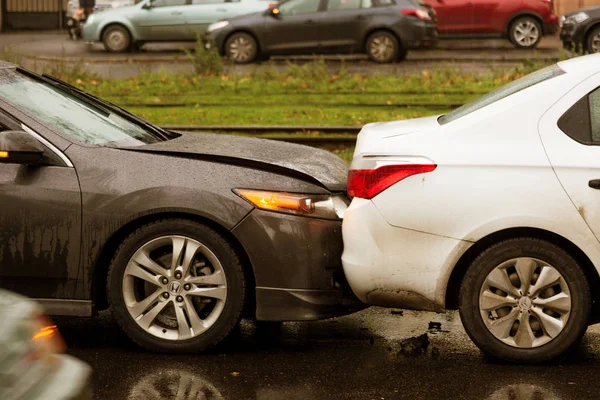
503 92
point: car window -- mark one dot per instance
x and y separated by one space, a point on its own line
294 7
168 3
68 115
582 121
595 114
334 5
503 92
207 1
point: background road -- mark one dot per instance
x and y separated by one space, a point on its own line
38 49
375 354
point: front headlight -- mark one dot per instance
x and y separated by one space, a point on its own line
577 18
306 205
217 25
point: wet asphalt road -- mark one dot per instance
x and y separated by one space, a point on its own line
36 50
361 356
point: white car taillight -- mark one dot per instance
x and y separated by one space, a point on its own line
377 174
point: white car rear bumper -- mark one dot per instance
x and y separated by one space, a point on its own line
396 267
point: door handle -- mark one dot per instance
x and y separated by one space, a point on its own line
594 184
221 9
176 13
310 21
361 17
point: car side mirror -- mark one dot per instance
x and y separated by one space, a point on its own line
19 147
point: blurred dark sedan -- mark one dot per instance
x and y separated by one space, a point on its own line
383 29
581 30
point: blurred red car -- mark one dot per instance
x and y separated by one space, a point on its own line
523 22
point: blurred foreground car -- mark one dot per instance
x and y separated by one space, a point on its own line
523 22
31 366
122 29
179 233
493 209
383 29
581 30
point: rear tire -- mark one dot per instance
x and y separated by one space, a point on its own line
525 32
186 303
593 41
383 47
116 39
241 48
525 300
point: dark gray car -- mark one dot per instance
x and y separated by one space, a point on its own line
180 234
383 29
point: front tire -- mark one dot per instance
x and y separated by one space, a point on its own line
525 300
383 47
176 286
241 48
593 41
116 39
525 32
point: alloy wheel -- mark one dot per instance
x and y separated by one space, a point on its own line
526 33
174 288
381 48
241 49
595 43
116 40
525 302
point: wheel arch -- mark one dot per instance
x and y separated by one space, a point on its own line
588 32
456 277
102 264
378 29
241 30
526 13
117 23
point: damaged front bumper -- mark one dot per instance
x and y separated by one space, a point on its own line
297 266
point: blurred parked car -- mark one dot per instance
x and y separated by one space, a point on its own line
178 233
31 366
581 30
384 29
523 22
79 10
504 227
125 28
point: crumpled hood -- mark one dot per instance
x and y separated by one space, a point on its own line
320 165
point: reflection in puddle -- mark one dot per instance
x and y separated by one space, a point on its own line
174 384
523 391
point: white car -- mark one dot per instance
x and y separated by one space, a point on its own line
493 209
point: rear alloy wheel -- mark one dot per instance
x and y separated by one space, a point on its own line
241 48
383 47
176 286
593 41
525 300
525 32
116 39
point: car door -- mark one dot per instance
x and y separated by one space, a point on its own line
340 26
453 16
295 28
570 131
484 12
202 13
40 221
163 20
